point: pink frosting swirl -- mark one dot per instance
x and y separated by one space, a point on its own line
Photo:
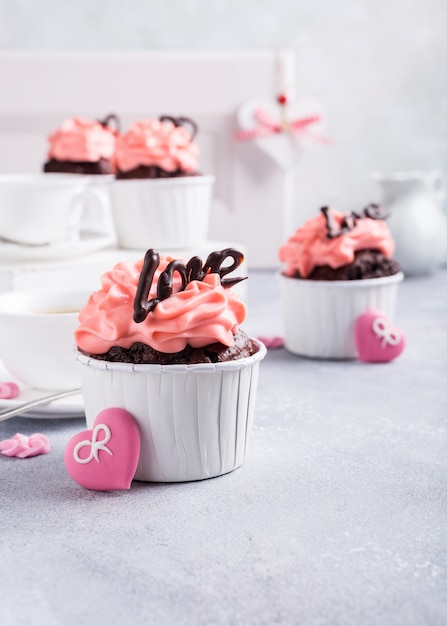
151 142
78 139
310 247
22 446
202 314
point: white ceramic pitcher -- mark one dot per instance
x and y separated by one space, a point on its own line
412 201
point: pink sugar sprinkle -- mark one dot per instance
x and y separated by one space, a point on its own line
9 390
272 343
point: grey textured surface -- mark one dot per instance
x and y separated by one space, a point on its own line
338 515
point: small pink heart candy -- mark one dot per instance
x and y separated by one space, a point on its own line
377 340
105 458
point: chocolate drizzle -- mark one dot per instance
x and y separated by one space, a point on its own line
193 270
116 123
349 221
186 122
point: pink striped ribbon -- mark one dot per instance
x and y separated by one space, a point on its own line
269 126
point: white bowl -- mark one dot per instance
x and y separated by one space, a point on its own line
194 420
319 315
162 213
36 337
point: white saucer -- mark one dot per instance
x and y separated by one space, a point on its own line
72 406
87 242
65 408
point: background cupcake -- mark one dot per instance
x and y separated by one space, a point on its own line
158 148
162 340
336 267
81 146
159 195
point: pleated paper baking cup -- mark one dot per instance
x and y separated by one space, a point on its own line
194 420
319 316
163 213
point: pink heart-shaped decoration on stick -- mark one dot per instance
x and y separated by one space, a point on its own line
105 458
378 341
284 148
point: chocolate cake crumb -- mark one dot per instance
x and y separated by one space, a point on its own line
366 264
90 168
152 171
140 353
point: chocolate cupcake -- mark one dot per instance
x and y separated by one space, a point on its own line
158 148
336 267
162 339
81 146
159 194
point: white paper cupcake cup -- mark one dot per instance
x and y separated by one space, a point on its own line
194 420
161 213
319 316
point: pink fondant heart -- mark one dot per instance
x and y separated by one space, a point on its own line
106 457
378 341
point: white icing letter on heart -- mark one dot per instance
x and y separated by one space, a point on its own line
94 444
382 330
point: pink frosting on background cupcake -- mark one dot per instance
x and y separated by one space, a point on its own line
310 246
79 139
160 143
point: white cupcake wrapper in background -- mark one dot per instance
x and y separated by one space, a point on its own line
319 316
194 420
162 213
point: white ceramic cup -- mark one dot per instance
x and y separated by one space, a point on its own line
36 337
163 213
39 209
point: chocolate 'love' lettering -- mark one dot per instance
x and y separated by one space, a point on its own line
111 121
186 122
193 270
373 211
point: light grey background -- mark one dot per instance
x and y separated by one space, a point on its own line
377 66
